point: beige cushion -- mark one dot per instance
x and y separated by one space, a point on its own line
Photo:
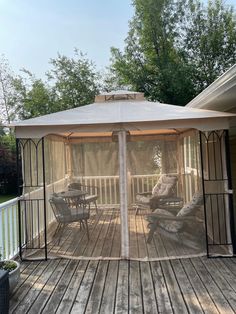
164 185
168 225
143 199
188 209
191 207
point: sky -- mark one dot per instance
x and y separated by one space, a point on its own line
33 31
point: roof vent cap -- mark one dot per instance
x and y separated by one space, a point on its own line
119 95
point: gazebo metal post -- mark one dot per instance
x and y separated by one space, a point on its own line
213 177
203 190
230 187
18 194
123 195
29 203
44 199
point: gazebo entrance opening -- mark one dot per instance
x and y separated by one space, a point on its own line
146 195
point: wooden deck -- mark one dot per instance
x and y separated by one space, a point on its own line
197 285
105 239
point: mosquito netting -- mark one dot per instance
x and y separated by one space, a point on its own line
72 192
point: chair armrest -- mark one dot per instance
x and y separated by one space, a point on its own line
171 199
145 193
155 217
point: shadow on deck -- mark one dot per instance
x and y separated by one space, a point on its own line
197 285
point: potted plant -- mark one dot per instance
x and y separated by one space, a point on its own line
13 268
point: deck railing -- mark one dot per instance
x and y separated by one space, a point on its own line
9 229
108 186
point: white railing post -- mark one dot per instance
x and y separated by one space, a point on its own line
8 229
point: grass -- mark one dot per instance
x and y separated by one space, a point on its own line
4 198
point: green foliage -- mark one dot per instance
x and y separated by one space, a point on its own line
8 164
74 79
174 49
5 198
8 141
210 41
8 94
7 265
72 82
150 62
35 95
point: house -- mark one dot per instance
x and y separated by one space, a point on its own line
221 96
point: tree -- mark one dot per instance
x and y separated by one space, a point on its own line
75 81
7 171
150 62
167 54
7 163
8 94
210 41
36 96
72 82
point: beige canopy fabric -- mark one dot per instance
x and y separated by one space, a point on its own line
125 114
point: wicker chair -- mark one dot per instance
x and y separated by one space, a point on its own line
65 215
164 219
162 195
91 193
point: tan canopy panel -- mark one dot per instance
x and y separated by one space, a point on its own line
122 111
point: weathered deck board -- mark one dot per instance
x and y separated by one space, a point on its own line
85 288
148 292
23 295
135 287
105 238
216 294
122 292
221 283
185 285
72 285
197 285
109 293
202 294
95 298
48 288
174 291
68 299
160 287
228 275
58 293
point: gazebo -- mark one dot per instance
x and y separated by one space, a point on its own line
122 145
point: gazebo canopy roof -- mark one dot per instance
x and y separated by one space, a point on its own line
122 110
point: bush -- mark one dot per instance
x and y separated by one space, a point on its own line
8 173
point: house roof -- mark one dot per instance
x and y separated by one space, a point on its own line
220 95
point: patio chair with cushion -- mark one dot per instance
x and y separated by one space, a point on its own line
65 215
163 194
164 219
91 195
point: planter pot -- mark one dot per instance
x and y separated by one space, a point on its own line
4 292
14 277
